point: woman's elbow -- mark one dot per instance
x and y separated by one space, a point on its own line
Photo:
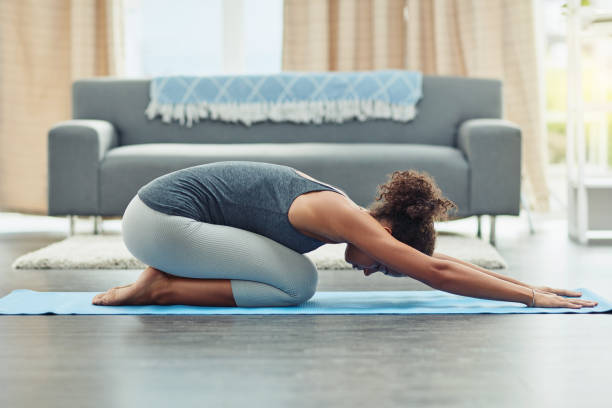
439 272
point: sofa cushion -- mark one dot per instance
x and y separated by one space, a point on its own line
356 168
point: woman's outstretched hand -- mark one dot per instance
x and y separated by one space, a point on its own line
551 297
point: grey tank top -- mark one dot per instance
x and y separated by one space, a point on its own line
253 196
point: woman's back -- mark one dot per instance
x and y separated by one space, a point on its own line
253 196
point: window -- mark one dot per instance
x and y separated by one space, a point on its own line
596 59
202 37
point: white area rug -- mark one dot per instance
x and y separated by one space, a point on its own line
107 251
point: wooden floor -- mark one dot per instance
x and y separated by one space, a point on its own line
315 361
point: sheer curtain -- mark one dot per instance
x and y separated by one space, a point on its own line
472 38
44 46
337 35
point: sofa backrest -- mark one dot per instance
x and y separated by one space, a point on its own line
447 101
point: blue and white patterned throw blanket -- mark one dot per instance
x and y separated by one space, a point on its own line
300 97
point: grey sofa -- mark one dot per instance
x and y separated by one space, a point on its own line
99 159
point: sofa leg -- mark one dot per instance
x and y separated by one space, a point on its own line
97 224
526 208
71 221
479 231
492 231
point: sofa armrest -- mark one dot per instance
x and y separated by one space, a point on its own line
493 151
75 150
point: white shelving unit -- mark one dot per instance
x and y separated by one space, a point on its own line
589 181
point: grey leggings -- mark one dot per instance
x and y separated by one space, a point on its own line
263 272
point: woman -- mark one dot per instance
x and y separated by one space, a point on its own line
233 233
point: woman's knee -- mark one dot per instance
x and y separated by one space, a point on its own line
306 284
259 294
303 294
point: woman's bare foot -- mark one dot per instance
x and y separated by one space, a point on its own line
141 292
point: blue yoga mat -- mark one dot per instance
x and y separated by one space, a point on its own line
25 301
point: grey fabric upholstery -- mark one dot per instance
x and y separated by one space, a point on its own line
493 149
75 150
98 160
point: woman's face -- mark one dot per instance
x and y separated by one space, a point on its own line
361 260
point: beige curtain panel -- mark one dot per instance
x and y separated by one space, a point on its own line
472 38
44 46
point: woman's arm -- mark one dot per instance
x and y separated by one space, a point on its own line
541 289
478 268
464 280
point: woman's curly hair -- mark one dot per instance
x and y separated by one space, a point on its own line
411 201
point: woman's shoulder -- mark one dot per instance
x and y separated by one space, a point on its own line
318 213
